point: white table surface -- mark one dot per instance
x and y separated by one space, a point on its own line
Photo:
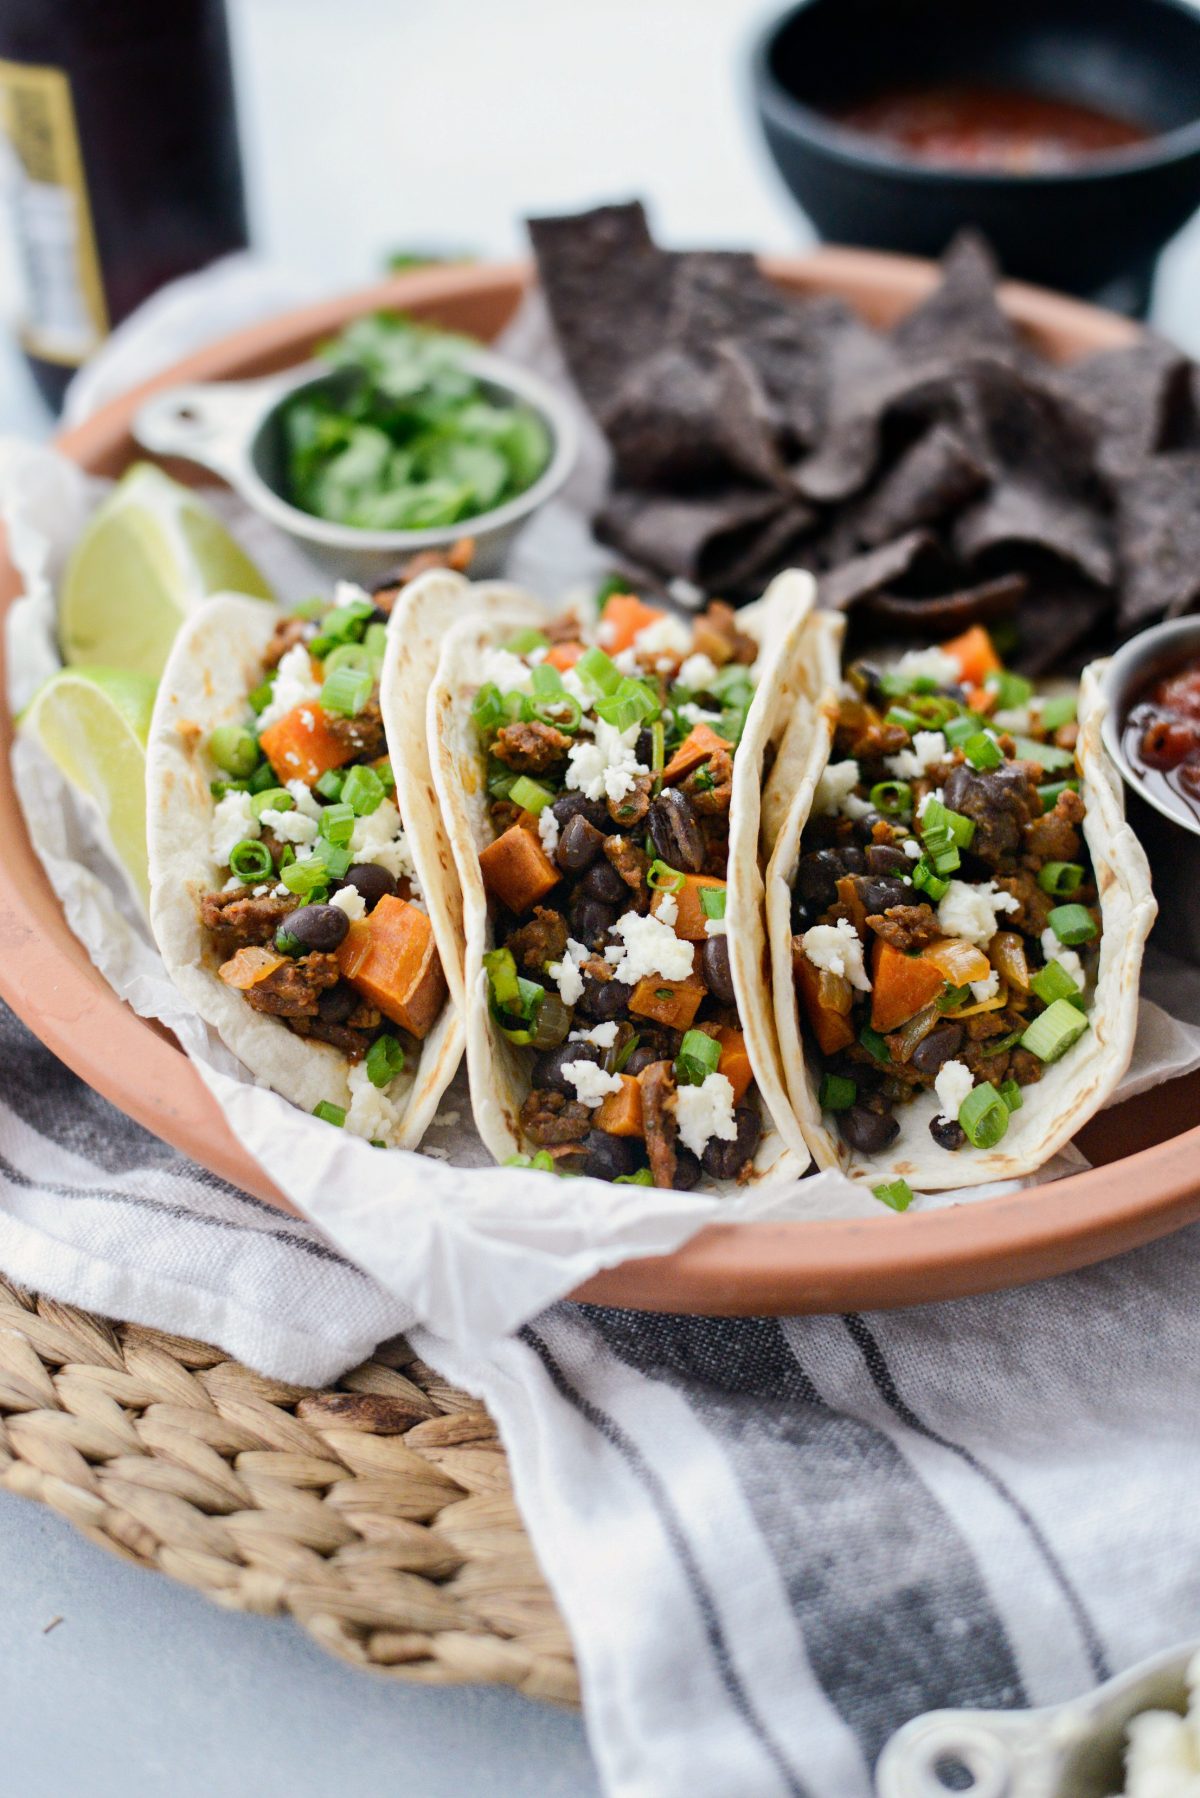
372 126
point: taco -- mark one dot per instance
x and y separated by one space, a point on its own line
957 912
286 894
601 785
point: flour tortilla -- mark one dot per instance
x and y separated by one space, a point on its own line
499 1071
1071 1090
216 661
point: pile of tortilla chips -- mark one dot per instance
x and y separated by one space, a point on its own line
937 474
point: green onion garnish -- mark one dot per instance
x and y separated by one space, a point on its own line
892 797
1046 755
330 785
344 624
235 749
599 671
309 609
385 1059
1011 690
250 860
337 822
362 790
613 583
333 857
329 1113
264 776
1049 794
1059 710
347 655
927 880
663 878
1060 878
959 731
546 681
487 712
1072 924
633 703
260 697
697 1058
500 779
375 644
383 769
712 901
304 878
1052 1034
275 799
908 721
837 1093
983 1116
543 1161
897 685
896 1193
1010 1092
530 795
1053 982
643 1177
524 642
347 691
874 1044
936 816
983 751
501 969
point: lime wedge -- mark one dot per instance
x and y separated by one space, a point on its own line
93 723
152 550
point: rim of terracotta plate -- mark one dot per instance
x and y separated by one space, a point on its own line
49 982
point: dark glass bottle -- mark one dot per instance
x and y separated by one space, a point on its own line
121 161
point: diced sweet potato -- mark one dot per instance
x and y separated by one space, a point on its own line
700 742
671 1002
301 746
516 869
902 986
621 1113
564 655
975 654
831 1029
391 958
691 920
624 615
735 1061
851 902
249 966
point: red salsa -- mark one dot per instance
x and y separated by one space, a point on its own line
1162 736
969 126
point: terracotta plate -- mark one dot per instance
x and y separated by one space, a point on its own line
1146 1180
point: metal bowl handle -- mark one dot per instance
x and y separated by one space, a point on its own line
212 423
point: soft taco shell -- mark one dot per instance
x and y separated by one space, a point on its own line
215 662
1071 1090
499 1071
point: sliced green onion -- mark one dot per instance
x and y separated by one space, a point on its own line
908 721
385 1059
487 712
306 877
897 685
1060 878
337 822
564 712
1061 709
501 969
713 900
983 1116
530 795
235 749
362 790
697 1059
837 1093
1072 924
375 644
663 878
599 671
250 860
633 703
330 784
1053 982
1011 690
982 750
937 816
383 770
275 799
518 705
524 642
1049 794
643 1177
263 777
219 788
935 709
260 696
1046 755
546 681
926 879
543 1162
959 731
1052 1033
892 797
613 583
1010 1092
329 1113
347 691
333 857
309 609
896 1193
658 747
343 624
500 780
347 655
874 1044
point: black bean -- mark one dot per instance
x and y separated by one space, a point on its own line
864 827
946 1133
870 1132
604 883
687 1170
603 999
606 1156
590 921
939 1046
854 859
315 927
578 845
805 912
882 858
725 1160
571 805
877 895
675 833
641 1058
817 877
644 748
718 975
336 1003
547 1071
369 879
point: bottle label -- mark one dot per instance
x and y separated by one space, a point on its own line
41 175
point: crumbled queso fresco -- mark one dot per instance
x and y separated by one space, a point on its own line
953 1084
838 948
971 911
294 685
1162 1759
606 766
648 946
370 1112
705 1111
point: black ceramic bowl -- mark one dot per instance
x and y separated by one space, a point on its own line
1093 228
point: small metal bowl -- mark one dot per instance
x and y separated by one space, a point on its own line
1170 834
234 428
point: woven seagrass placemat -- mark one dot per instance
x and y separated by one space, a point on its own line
378 1513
